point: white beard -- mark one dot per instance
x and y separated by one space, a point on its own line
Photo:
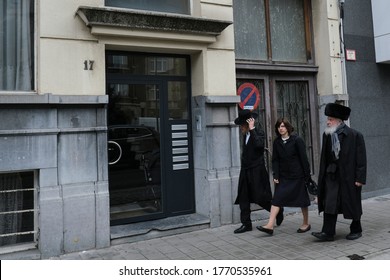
330 129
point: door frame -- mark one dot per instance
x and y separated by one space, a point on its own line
313 105
165 132
269 81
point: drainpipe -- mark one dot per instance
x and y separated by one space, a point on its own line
342 53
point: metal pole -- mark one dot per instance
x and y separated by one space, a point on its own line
342 52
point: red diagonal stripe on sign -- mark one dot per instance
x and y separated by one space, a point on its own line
249 96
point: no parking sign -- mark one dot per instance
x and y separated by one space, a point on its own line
249 96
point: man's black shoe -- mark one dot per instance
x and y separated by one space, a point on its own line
280 217
243 228
353 236
323 236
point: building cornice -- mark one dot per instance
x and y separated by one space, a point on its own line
151 21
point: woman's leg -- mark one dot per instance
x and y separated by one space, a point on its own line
272 217
305 214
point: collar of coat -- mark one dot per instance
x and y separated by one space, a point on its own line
291 138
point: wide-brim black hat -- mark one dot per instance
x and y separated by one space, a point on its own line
337 111
243 115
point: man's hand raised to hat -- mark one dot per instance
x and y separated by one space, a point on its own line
251 123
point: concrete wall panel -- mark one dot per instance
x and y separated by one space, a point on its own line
17 118
76 118
27 152
77 158
51 223
79 217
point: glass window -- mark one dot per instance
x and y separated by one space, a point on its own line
17 45
287 30
293 103
274 30
147 65
134 151
250 36
168 6
177 100
17 211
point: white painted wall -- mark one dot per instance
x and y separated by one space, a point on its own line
65 43
327 46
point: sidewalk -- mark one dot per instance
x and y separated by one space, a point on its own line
286 244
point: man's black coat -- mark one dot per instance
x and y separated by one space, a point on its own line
344 197
253 174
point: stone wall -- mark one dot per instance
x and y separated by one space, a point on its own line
63 139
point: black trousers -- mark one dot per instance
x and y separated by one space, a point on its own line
329 225
245 206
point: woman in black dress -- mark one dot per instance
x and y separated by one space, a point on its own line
290 168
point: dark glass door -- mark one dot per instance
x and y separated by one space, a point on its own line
134 151
149 137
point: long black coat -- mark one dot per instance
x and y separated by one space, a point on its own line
343 197
253 171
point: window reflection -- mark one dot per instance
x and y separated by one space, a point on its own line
147 65
177 100
169 6
134 150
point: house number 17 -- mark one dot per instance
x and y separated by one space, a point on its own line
88 64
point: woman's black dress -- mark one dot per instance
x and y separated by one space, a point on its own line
291 167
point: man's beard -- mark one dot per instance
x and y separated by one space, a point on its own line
330 129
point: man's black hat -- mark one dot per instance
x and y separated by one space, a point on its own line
337 111
243 115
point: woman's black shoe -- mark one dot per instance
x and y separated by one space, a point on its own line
266 230
304 230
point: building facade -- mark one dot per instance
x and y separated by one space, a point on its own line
368 85
117 116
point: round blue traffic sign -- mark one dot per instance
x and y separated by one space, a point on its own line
249 96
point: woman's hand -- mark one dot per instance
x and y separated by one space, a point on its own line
276 181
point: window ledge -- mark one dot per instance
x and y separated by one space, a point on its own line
276 67
52 99
131 20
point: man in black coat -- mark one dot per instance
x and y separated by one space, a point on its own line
343 168
253 182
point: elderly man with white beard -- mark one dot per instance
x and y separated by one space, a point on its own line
343 168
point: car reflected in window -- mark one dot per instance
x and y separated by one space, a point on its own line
135 170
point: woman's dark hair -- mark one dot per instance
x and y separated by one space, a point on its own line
287 124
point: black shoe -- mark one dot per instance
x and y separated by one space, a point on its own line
280 217
353 236
266 230
243 228
323 236
304 230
